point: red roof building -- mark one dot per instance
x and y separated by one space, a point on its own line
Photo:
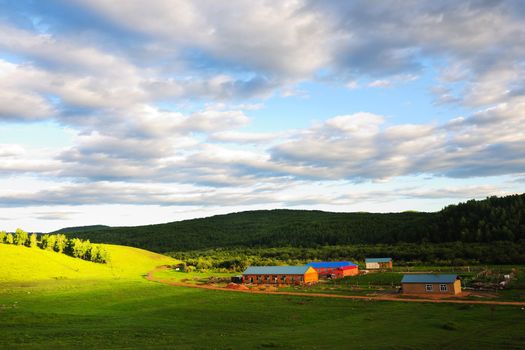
335 269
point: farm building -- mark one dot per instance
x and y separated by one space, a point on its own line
431 283
280 275
335 269
378 263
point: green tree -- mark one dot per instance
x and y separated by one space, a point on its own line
3 236
47 242
102 255
60 243
32 242
94 252
75 248
86 248
9 238
21 237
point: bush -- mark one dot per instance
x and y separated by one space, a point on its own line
450 326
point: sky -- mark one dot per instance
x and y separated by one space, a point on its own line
138 112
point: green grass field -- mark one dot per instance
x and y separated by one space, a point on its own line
113 307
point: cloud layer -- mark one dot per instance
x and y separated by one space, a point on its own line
162 96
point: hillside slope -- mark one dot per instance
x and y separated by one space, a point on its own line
29 264
492 219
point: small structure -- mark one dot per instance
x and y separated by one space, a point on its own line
431 283
334 269
236 279
378 263
280 275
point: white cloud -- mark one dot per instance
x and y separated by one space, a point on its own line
380 83
352 84
273 37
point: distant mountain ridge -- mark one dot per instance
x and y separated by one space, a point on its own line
89 228
491 219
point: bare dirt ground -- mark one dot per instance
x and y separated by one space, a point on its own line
404 298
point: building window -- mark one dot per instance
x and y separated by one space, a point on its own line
283 278
251 279
429 288
443 288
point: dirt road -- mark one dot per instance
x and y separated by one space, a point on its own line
150 276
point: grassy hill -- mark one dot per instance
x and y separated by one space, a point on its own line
492 219
32 264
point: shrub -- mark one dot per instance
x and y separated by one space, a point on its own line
450 326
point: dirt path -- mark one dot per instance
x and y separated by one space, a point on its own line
150 276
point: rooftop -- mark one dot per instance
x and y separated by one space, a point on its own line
429 278
276 270
372 260
330 264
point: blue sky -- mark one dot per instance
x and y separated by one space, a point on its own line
125 113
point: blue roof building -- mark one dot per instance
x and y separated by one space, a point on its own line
429 278
280 275
378 263
330 264
378 260
425 283
276 270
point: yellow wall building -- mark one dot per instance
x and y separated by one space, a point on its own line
431 284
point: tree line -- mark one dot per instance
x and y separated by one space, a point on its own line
403 254
75 247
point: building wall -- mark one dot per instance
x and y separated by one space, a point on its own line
308 277
372 265
338 272
379 265
351 272
457 286
386 265
420 288
311 276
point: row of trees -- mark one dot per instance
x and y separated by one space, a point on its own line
77 248
407 254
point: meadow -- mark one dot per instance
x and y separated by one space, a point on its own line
73 305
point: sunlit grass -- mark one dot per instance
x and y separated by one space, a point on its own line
33 264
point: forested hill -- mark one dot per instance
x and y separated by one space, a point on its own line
89 228
492 219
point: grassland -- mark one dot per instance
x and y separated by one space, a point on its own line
113 307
